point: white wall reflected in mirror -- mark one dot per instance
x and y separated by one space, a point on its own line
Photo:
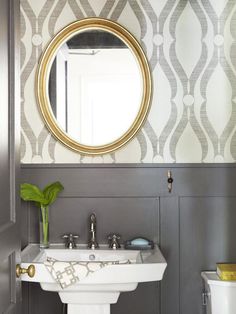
98 94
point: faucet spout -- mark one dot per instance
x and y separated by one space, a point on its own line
92 243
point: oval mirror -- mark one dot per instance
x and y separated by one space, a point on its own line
93 86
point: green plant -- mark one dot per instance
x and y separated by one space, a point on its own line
42 198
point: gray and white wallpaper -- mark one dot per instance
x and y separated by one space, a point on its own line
191 48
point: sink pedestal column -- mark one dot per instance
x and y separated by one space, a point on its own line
88 309
89 302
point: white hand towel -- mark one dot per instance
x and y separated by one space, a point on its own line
69 273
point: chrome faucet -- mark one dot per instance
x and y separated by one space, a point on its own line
92 243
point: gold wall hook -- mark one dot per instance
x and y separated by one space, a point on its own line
169 181
30 271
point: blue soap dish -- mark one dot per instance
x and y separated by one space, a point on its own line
139 243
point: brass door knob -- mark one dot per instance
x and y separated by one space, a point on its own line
30 271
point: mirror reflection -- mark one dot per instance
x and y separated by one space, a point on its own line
95 87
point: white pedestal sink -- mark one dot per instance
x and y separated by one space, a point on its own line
95 293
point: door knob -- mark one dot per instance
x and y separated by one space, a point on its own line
30 271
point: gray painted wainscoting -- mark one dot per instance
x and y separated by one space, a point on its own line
194 224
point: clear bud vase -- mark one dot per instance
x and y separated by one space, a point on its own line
44 227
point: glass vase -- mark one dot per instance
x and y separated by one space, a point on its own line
44 227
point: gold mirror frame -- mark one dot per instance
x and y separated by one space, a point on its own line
42 81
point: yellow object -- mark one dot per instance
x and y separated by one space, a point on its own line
226 271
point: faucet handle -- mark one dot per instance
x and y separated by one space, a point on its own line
70 240
70 236
113 240
112 236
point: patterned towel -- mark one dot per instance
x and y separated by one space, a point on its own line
69 273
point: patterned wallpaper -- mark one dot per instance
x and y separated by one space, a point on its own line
191 48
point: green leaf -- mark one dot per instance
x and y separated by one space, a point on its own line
30 192
51 191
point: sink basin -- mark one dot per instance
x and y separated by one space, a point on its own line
103 287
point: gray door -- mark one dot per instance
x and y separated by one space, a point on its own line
9 156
